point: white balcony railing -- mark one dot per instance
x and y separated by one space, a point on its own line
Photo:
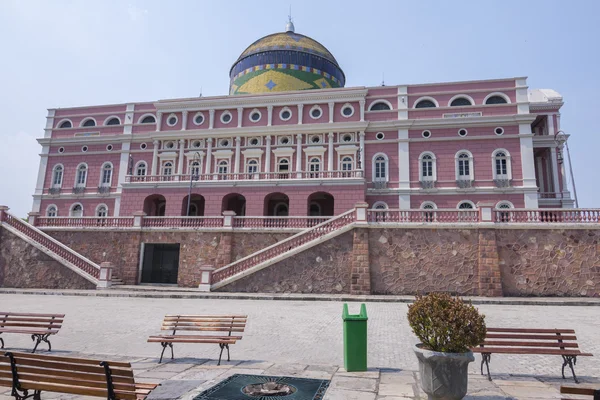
244 176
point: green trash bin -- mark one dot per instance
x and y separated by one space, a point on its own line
355 339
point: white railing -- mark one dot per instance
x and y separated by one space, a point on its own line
277 222
422 215
85 222
182 222
244 176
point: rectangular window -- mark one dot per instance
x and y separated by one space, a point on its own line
106 175
81 174
427 169
463 168
501 167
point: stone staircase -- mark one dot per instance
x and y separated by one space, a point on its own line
52 247
281 250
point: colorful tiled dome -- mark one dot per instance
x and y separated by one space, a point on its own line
285 61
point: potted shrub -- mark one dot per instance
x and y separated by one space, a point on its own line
447 328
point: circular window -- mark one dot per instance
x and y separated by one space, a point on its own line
285 114
462 132
284 140
169 145
254 141
379 136
61 150
315 139
499 131
347 111
426 134
143 146
226 117
347 138
196 144
255 116
84 149
172 120
199 119
224 143
109 147
316 112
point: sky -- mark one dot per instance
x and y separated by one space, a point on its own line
64 53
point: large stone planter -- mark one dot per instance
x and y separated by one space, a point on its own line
444 376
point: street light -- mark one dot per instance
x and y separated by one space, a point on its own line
561 140
194 175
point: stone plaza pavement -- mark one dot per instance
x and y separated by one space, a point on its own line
300 338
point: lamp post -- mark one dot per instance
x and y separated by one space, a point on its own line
194 174
561 140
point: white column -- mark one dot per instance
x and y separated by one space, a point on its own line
123 171
527 162
331 108
557 122
522 97
39 187
49 124
207 169
184 116
240 111
540 174
300 108
550 120
154 157
403 169
402 102
362 110
158 121
211 119
180 164
267 167
555 170
361 138
128 123
269 115
236 166
330 152
299 155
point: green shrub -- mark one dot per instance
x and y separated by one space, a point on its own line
445 323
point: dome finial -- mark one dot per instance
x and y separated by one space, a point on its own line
289 27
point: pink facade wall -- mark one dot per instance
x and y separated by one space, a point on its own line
278 121
461 86
70 163
89 205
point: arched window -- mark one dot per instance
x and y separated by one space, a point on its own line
501 165
106 178
429 216
504 216
57 176
65 124
380 106
223 167
102 211
51 211
314 166
148 119
496 99
167 168
461 101
425 104
89 122
380 215
140 169
113 121
466 205
347 164
380 168
195 167
283 167
81 177
76 210
464 166
427 167
252 166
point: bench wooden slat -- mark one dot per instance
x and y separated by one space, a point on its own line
205 316
28 331
219 324
519 330
29 325
577 390
188 340
528 344
66 374
100 384
531 337
31 315
201 336
207 329
502 350
74 360
117 371
70 389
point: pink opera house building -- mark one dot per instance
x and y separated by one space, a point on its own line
291 140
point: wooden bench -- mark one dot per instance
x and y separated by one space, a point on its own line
218 328
25 373
39 326
556 342
593 393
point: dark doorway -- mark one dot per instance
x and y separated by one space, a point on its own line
154 206
161 263
234 202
